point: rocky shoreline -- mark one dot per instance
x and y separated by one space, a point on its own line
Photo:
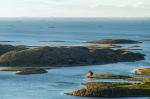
145 71
114 89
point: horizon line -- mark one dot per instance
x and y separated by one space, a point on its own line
65 17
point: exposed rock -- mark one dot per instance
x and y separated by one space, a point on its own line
31 71
114 41
145 71
142 79
113 90
66 56
7 48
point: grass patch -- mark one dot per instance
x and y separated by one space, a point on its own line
111 76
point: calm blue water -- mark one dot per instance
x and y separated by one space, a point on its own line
73 31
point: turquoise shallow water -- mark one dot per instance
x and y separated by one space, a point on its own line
54 84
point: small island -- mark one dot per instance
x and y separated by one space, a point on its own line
26 70
58 56
114 41
31 71
114 89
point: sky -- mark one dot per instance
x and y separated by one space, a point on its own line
74 8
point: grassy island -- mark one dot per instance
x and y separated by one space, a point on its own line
114 89
66 56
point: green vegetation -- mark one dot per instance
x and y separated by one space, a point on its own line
106 83
115 41
66 56
111 76
114 89
7 48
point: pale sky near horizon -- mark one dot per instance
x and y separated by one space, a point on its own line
74 8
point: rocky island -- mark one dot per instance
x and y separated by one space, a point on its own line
7 48
31 71
26 70
114 41
66 56
114 89
33 58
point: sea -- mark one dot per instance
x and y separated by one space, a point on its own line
35 32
